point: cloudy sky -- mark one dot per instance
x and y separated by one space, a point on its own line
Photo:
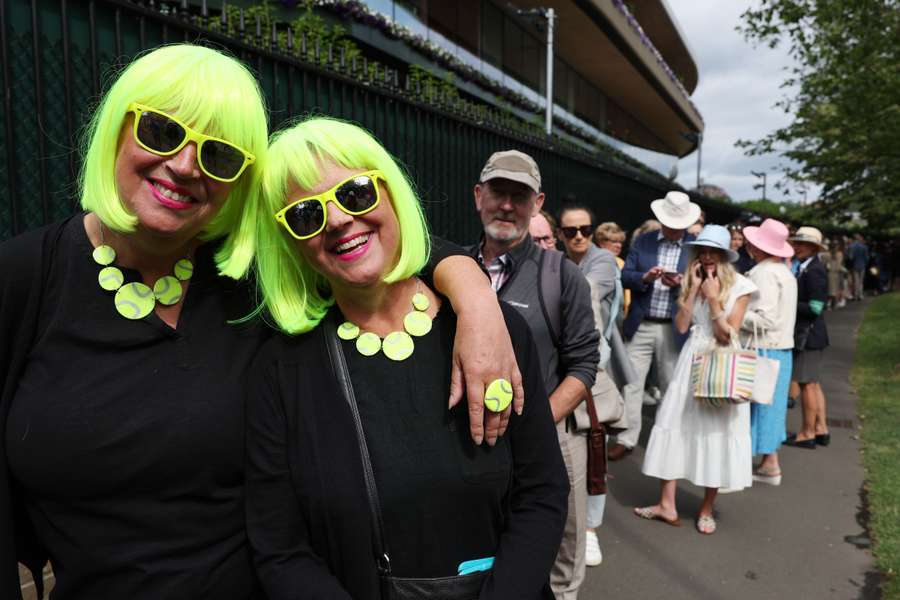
738 87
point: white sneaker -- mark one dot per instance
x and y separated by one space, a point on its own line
592 554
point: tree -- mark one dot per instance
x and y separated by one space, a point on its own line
844 98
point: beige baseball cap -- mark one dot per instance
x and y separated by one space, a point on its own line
512 165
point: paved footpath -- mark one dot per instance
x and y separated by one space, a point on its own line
781 543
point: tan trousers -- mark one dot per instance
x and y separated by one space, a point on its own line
653 343
567 573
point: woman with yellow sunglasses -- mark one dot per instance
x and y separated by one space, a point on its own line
122 378
361 483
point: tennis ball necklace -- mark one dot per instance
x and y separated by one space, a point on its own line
136 300
397 345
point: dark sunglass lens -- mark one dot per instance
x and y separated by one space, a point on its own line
305 218
159 132
358 194
585 230
221 159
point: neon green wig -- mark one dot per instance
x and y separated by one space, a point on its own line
211 92
295 295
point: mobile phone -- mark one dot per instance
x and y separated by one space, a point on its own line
670 273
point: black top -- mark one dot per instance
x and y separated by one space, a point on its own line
444 499
124 437
121 442
812 284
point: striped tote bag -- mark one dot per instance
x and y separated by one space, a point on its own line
723 375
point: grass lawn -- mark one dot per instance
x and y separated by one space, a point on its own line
876 377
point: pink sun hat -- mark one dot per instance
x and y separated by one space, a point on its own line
770 237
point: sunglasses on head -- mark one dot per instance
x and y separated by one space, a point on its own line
570 232
163 134
356 195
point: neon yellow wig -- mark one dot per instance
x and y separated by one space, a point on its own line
211 92
295 295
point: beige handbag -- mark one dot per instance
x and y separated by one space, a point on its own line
608 403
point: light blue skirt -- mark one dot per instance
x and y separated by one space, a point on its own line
767 422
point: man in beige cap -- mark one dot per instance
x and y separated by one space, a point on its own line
652 272
507 195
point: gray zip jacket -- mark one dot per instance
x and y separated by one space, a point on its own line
577 354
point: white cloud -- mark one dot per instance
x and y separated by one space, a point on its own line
738 88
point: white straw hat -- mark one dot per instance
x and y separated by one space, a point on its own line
676 211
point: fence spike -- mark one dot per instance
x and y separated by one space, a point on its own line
303 45
343 58
273 41
290 41
223 18
258 31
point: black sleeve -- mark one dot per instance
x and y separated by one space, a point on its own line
440 249
287 565
539 496
817 285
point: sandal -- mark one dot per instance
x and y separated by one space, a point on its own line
706 524
769 477
647 512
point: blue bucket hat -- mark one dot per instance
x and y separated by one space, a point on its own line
715 236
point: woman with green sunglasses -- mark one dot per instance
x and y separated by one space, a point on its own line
121 371
361 483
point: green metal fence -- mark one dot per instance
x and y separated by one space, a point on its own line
57 55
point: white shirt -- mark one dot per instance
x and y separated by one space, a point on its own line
774 308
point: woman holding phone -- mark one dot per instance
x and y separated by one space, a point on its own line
708 446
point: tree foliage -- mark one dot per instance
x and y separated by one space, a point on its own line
844 97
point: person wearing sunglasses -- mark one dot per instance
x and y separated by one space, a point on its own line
122 367
359 476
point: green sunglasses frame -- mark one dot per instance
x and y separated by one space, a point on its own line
330 196
190 135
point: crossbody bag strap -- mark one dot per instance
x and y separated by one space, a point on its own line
345 385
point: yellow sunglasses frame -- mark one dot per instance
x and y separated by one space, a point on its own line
190 135
329 196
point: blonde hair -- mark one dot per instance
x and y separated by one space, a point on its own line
608 232
725 271
212 92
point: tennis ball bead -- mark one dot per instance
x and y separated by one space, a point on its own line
368 344
398 345
103 255
417 323
167 290
498 395
348 331
110 278
184 269
135 301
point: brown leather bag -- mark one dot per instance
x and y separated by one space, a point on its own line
596 458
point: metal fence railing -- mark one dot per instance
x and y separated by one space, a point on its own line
57 55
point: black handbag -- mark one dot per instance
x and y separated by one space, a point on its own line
458 587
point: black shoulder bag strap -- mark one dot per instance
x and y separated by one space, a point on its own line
342 375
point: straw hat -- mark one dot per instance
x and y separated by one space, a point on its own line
770 237
809 235
676 211
715 236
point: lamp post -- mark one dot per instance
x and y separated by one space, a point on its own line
550 15
697 138
763 185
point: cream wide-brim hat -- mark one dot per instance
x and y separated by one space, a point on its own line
676 211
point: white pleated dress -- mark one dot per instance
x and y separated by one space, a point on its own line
710 447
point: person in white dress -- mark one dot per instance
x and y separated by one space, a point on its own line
708 446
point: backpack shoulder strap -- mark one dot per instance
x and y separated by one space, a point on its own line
550 278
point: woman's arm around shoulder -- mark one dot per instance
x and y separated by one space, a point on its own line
539 497
286 563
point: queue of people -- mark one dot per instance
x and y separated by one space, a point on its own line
246 369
